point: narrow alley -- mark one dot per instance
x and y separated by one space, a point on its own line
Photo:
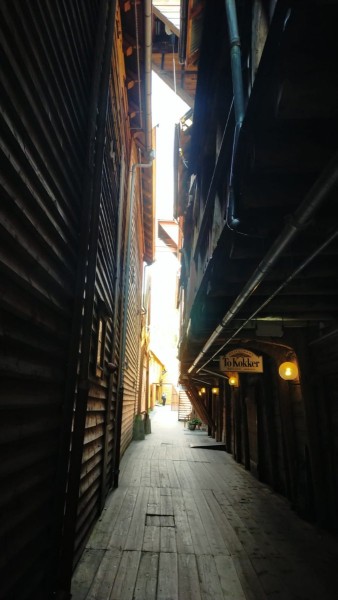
169 232
189 523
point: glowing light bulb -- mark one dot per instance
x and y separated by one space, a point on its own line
288 371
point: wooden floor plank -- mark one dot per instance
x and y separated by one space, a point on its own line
184 542
85 573
188 578
162 452
180 453
122 524
102 532
173 453
168 539
124 584
213 533
202 473
106 574
155 473
189 455
154 501
167 588
197 529
248 578
173 479
188 480
166 503
229 580
231 541
163 473
135 535
145 473
191 524
151 538
179 473
251 545
209 581
146 582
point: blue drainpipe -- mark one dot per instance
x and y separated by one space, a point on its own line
237 85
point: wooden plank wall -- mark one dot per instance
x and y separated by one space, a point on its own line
47 57
45 78
96 476
132 371
266 428
98 452
324 353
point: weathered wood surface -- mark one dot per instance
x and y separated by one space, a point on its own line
192 524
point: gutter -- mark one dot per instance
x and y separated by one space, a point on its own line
148 56
275 34
237 85
182 38
236 61
145 115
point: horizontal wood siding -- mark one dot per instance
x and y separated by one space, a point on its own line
131 373
96 476
45 74
99 441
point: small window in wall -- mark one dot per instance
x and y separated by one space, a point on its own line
103 316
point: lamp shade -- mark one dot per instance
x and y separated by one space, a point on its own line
233 379
288 371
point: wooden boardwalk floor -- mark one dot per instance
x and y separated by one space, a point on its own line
192 524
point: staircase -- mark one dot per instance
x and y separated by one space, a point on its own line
184 405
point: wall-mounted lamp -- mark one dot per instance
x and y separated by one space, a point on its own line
288 371
215 390
203 390
233 380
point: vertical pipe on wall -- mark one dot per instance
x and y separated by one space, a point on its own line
117 307
237 85
148 56
236 61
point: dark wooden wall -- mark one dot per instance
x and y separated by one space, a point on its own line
64 138
285 432
324 419
46 70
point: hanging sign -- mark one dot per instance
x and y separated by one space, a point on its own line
242 361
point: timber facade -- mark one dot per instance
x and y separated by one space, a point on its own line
256 196
76 221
